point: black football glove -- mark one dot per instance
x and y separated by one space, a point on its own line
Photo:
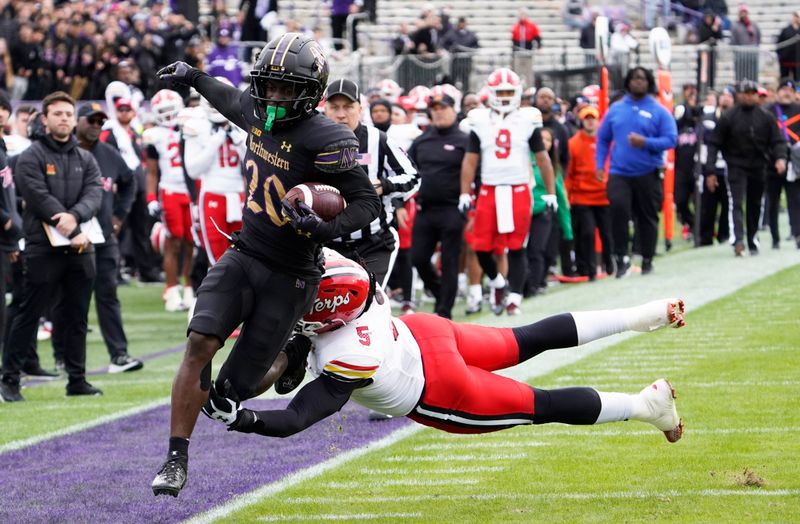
303 219
178 73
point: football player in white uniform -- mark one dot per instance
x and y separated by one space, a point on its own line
213 151
167 192
502 138
440 373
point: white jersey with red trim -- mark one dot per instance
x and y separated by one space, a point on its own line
505 152
213 154
374 346
167 143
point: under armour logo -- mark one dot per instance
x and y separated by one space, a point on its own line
286 147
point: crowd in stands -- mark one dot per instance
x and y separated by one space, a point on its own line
96 51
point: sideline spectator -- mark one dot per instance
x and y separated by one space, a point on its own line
710 28
402 44
715 185
745 33
575 13
438 153
787 113
71 268
459 37
587 198
750 139
340 10
789 54
223 60
687 115
641 130
524 32
119 189
427 37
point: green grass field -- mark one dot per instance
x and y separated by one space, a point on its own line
735 366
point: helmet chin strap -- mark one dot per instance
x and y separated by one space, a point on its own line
273 113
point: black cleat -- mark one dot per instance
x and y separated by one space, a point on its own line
170 478
297 352
78 389
10 392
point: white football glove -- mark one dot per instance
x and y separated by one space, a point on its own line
154 208
464 203
550 202
222 404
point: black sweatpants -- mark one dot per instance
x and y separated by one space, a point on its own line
71 273
710 202
432 226
775 184
541 225
747 190
635 197
585 219
685 187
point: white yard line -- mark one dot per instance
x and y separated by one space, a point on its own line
714 273
440 471
343 516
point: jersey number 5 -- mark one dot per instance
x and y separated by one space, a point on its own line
363 335
503 143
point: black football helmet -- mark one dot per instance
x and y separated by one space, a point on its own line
293 58
36 128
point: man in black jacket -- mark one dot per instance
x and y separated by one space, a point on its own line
750 140
62 190
119 191
438 152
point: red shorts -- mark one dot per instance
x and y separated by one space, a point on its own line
485 236
177 216
469 235
404 233
214 209
462 395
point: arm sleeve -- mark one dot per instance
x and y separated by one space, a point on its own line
402 178
91 198
667 134
603 142
227 99
535 141
30 176
474 143
318 399
126 190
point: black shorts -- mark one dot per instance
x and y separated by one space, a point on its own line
241 289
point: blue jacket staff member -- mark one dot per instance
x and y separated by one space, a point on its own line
635 133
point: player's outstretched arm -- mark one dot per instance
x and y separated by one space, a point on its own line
317 400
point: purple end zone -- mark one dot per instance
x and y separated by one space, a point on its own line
103 474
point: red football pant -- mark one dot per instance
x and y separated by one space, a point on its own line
213 209
485 236
462 395
177 216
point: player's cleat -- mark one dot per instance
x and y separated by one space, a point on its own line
656 315
172 299
498 295
377 416
513 310
474 306
659 400
123 363
297 353
170 478
10 392
82 389
188 298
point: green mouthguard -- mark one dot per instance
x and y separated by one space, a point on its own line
273 113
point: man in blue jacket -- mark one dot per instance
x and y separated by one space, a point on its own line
634 134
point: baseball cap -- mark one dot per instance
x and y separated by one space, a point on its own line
441 99
91 109
343 87
788 82
747 86
729 90
743 8
223 31
762 91
588 111
123 102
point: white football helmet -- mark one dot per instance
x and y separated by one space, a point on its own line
166 104
214 115
504 81
114 91
390 90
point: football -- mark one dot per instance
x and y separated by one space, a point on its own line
324 199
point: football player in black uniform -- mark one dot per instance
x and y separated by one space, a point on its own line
269 277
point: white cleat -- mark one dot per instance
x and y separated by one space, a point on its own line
659 400
172 299
656 315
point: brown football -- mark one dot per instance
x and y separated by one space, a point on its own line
324 199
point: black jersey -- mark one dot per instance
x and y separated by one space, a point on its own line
314 149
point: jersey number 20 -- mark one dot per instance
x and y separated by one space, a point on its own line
273 192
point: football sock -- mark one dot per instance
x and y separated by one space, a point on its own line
615 407
592 325
476 293
549 333
498 282
577 406
178 448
